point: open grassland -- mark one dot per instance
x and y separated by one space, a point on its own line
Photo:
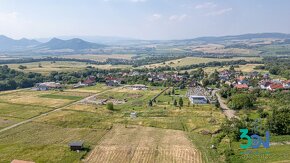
221 49
91 89
100 57
47 67
13 113
45 139
144 144
275 50
33 98
45 143
197 60
108 66
61 66
276 153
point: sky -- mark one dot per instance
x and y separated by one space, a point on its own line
142 19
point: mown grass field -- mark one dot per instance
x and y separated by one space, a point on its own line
197 60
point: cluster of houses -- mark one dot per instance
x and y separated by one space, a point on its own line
47 86
240 81
90 81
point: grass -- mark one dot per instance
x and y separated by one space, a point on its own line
100 57
46 138
277 153
55 96
47 67
48 143
91 89
197 60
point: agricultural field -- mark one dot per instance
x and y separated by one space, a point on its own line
144 144
95 125
197 60
46 67
221 49
100 57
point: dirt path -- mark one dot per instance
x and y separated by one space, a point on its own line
229 113
144 144
49 112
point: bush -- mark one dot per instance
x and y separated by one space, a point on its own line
110 106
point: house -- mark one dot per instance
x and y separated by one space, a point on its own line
273 87
242 80
266 76
47 86
138 87
254 74
21 161
286 84
264 84
198 99
90 81
113 82
78 145
242 86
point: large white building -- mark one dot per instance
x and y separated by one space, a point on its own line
198 99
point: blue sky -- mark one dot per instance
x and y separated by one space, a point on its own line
142 19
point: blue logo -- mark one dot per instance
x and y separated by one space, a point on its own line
255 140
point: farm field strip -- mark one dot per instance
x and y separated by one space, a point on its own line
144 144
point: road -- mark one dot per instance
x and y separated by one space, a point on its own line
49 112
229 113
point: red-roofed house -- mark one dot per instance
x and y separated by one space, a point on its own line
90 81
274 87
242 86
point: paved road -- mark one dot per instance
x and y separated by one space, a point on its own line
229 113
49 112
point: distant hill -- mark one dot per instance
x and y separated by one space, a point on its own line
74 44
7 44
244 37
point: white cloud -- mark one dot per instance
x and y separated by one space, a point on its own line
219 12
177 17
206 5
155 17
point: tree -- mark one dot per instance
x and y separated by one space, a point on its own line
110 106
150 103
39 65
241 101
173 91
279 122
21 67
175 103
180 102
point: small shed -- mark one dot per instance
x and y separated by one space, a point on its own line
77 145
133 115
